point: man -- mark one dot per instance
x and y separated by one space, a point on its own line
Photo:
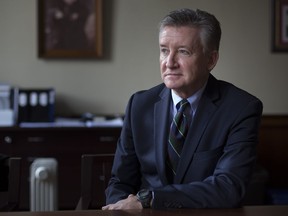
219 151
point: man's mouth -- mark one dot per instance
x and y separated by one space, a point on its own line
172 74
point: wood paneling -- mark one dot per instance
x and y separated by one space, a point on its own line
273 149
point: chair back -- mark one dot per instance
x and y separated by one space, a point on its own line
95 175
12 195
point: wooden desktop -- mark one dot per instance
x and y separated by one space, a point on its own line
245 211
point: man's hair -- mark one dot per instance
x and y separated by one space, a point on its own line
209 25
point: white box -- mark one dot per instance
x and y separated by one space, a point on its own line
6 117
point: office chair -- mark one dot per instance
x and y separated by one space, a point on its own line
95 175
12 195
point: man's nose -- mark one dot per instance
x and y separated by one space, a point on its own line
171 61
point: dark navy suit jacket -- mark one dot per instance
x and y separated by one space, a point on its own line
218 155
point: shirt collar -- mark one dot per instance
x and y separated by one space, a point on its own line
193 100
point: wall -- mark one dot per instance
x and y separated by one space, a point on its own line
131 54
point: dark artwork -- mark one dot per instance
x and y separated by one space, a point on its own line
70 24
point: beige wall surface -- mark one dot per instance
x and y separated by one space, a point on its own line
131 54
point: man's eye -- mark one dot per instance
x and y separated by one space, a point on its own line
164 51
184 52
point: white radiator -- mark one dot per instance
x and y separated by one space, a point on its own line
43 185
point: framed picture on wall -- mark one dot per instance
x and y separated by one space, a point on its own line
280 25
70 28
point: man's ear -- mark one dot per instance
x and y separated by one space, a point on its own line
213 59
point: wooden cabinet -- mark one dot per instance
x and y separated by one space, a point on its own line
273 149
66 145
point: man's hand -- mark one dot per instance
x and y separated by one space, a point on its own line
130 202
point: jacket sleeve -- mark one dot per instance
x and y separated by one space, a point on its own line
126 176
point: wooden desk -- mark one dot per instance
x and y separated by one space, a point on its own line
245 211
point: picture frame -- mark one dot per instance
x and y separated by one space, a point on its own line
70 29
279 25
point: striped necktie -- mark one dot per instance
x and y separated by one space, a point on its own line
178 131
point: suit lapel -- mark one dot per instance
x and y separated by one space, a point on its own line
161 125
204 112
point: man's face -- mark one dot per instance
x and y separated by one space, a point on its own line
184 66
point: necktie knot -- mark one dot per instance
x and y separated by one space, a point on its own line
183 112
182 104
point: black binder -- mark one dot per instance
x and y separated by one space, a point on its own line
36 105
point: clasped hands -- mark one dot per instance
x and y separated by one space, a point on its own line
131 202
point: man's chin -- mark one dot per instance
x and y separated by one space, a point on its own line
171 85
